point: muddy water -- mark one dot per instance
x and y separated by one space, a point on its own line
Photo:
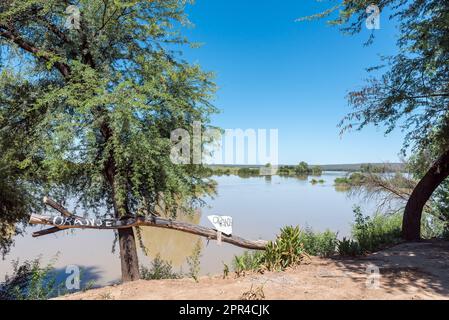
259 207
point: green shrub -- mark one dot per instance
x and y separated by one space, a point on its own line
248 261
354 179
373 233
194 261
289 249
160 269
316 171
341 181
248 172
349 247
32 281
319 244
432 227
286 251
29 281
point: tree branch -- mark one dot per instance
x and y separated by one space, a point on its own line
69 221
6 33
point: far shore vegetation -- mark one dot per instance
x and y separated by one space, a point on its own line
302 169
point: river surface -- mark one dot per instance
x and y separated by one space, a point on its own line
260 206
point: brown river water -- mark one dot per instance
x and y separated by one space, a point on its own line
260 206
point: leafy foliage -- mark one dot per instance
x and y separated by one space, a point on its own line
159 269
413 89
354 179
349 247
286 251
89 113
30 281
248 172
194 261
373 233
319 244
301 170
248 261
17 194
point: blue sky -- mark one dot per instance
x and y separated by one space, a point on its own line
273 72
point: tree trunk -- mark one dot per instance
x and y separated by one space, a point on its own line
411 224
128 255
127 242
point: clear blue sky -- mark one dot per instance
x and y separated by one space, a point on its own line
273 72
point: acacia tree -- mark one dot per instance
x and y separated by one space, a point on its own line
94 99
409 90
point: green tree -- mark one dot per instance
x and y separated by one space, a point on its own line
16 190
96 100
302 168
410 89
316 170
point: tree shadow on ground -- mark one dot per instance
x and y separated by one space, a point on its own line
405 268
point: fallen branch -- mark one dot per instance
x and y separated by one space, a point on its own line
70 221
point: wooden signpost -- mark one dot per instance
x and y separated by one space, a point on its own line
67 220
222 224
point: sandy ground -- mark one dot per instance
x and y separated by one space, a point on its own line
407 271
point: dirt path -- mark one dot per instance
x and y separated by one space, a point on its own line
407 271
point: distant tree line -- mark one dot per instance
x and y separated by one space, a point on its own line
302 169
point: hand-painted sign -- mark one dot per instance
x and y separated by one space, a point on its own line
222 224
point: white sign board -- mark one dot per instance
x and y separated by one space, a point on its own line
222 224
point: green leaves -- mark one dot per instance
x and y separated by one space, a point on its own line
286 251
413 90
98 102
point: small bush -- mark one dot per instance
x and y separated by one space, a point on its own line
248 172
373 233
286 251
29 281
432 227
289 249
354 179
248 261
340 181
349 247
194 262
319 244
160 269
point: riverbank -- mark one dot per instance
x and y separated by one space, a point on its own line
407 271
